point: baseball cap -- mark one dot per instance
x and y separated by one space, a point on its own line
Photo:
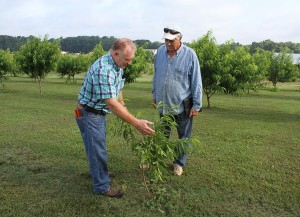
171 32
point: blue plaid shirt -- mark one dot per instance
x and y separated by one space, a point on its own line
102 81
177 79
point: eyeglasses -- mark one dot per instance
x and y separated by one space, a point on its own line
173 32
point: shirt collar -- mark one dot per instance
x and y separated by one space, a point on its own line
177 52
111 60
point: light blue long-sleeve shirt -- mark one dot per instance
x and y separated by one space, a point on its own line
177 79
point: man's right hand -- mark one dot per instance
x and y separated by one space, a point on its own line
119 110
143 127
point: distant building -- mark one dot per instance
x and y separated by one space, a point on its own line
296 57
153 51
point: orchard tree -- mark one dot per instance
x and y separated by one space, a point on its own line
69 65
298 68
239 70
37 58
141 63
282 68
262 59
97 52
7 64
209 56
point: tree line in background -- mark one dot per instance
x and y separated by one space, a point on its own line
79 44
228 68
39 56
85 44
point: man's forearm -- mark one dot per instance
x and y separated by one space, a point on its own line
120 111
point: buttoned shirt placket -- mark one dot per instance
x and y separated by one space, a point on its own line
167 77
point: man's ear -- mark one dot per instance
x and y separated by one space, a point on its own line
116 53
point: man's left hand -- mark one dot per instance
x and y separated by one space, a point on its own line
193 113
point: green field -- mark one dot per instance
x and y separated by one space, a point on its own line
247 162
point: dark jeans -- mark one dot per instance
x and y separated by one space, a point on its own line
184 130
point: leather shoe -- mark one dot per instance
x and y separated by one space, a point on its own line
111 174
113 193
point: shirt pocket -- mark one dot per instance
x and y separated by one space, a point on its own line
180 74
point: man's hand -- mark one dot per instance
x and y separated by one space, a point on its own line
193 113
143 127
119 110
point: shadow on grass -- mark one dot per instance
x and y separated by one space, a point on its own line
272 95
240 114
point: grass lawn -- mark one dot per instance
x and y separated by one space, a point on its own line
247 162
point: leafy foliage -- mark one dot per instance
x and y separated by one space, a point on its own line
78 44
38 57
279 47
97 52
12 43
210 62
7 63
69 65
282 69
155 150
262 60
238 68
141 63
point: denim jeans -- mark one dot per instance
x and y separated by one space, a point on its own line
93 131
184 130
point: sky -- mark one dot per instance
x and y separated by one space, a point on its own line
243 21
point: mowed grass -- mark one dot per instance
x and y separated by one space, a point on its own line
247 162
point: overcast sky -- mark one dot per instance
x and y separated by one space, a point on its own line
244 21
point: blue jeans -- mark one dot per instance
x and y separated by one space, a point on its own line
184 130
93 131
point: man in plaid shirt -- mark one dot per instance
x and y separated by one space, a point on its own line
101 93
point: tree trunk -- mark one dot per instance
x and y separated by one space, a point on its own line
40 85
208 102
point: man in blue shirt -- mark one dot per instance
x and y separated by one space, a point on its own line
177 81
101 94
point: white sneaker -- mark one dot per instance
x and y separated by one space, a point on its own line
177 169
144 166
